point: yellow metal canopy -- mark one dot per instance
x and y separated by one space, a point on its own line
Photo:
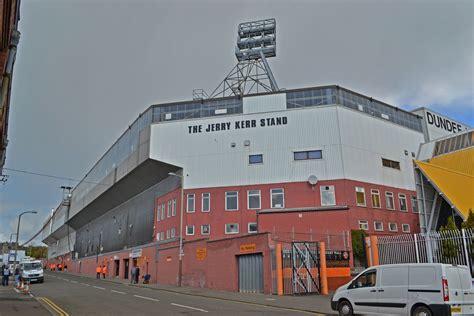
453 176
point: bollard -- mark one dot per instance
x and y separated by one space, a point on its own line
279 269
374 250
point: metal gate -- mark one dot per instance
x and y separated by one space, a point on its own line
251 273
301 268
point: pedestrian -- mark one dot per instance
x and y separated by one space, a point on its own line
65 268
17 276
60 267
104 270
54 266
98 270
5 275
137 275
134 273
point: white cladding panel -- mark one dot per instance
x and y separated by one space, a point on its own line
62 246
210 160
264 103
366 140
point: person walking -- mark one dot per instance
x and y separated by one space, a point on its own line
5 275
134 273
17 276
104 271
98 270
137 275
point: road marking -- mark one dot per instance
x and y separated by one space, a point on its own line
65 279
98 287
269 299
53 306
118 292
85 284
74 282
196 309
147 298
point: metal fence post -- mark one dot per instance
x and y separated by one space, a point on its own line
464 244
416 249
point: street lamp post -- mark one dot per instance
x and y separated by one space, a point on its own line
17 235
11 235
181 253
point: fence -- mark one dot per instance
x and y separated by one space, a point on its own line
452 246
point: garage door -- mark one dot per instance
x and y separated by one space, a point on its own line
251 273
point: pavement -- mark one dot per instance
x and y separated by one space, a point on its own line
14 303
313 304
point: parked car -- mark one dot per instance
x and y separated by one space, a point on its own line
31 271
429 289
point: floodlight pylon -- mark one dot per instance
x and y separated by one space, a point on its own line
256 41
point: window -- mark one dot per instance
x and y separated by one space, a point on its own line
367 279
158 213
364 225
253 159
157 236
360 196
328 195
391 164
189 230
252 228
414 204
378 226
190 204
173 232
205 229
392 227
168 211
389 200
253 199
306 155
206 202
167 234
162 212
162 236
406 228
232 201
375 198
402 199
173 207
277 196
231 228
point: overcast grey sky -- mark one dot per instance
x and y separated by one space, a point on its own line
86 69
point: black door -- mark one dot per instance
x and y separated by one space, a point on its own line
125 276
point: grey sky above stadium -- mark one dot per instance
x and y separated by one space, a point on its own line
86 69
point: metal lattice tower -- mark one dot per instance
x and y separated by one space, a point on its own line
256 41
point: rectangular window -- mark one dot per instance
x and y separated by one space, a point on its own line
254 159
167 234
360 196
389 201
252 228
189 230
414 204
392 227
205 229
328 195
162 236
306 155
168 210
162 212
253 199
157 236
173 232
375 198
232 201
406 228
378 226
391 164
277 196
231 228
206 202
402 199
158 213
173 207
190 204
364 225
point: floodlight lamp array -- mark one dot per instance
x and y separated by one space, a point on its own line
256 39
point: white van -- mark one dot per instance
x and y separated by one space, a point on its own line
32 271
429 289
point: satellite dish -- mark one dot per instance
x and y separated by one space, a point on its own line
312 179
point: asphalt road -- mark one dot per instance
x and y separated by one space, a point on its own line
73 295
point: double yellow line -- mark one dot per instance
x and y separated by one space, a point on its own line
53 306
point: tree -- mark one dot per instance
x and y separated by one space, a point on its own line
449 248
358 245
469 222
